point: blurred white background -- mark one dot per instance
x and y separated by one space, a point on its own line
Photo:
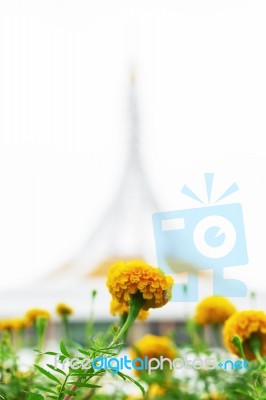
64 69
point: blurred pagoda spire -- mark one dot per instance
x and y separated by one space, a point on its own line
125 230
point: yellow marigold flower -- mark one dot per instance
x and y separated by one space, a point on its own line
22 375
63 309
14 324
214 310
143 315
117 308
156 390
217 396
154 346
244 324
128 278
34 313
214 396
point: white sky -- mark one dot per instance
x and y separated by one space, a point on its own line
63 101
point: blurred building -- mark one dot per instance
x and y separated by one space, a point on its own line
124 232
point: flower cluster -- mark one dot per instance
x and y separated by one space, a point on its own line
135 288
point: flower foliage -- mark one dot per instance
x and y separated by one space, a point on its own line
134 286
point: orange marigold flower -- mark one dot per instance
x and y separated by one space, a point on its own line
244 324
128 278
63 309
117 308
214 310
34 313
154 346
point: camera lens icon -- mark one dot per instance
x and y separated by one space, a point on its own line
214 236
207 237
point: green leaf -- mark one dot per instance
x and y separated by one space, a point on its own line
56 369
133 381
45 389
50 353
121 375
79 373
64 349
84 384
35 396
86 353
240 391
67 391
47 374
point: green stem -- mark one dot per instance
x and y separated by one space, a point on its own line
254 344
66 327
63 387
91 391
217 334
135 305
40 326
237 341
72 389
89 325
